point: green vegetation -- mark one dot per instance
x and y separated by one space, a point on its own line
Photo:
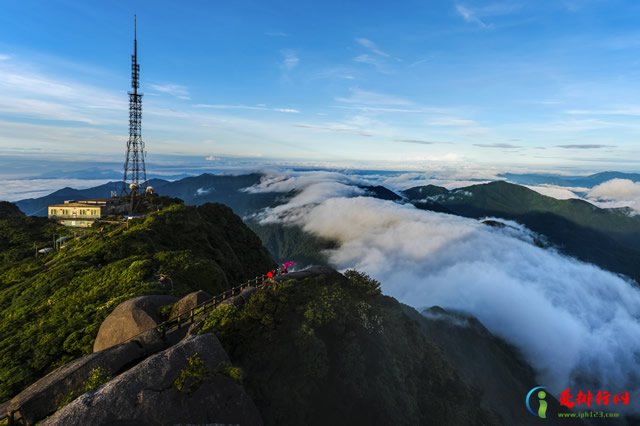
21 235
192 375
8 209
332 350
609 238
52 306
234 373
290 242
165 311
422 192
97 377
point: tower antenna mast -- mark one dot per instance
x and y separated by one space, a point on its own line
135 173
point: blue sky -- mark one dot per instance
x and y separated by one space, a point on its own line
540 84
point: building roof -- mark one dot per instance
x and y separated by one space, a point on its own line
77 204
92 201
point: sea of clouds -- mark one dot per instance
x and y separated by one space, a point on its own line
616 193
575 323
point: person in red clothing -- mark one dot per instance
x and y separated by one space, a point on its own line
286 266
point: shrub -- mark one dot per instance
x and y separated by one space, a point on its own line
361 280
97 377
192 375
234 373
221 316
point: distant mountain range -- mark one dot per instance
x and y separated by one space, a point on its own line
570 181
193 190
609 238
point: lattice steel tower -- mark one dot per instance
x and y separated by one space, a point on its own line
135 174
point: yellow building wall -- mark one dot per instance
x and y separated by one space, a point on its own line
85 212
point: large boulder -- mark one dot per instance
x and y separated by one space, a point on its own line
310 272
47 394
189 302
129 319
184 384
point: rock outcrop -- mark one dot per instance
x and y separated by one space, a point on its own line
47 394
184 384
189 302
311 272
129 319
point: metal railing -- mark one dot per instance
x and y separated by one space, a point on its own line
190 316
184 318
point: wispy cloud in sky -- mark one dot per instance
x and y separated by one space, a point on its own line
585 146
469 16
368 44
365 58
177 90
632 111
369 98
336 127
451 122
374 56
497 145
28 93
247 107
416 141
290 60
276 34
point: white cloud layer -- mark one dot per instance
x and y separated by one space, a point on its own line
575 323
553 191
617 193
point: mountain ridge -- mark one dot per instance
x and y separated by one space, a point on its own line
609 238
340 327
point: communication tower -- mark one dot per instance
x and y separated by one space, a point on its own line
135 174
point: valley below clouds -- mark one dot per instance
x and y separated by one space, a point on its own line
575 323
